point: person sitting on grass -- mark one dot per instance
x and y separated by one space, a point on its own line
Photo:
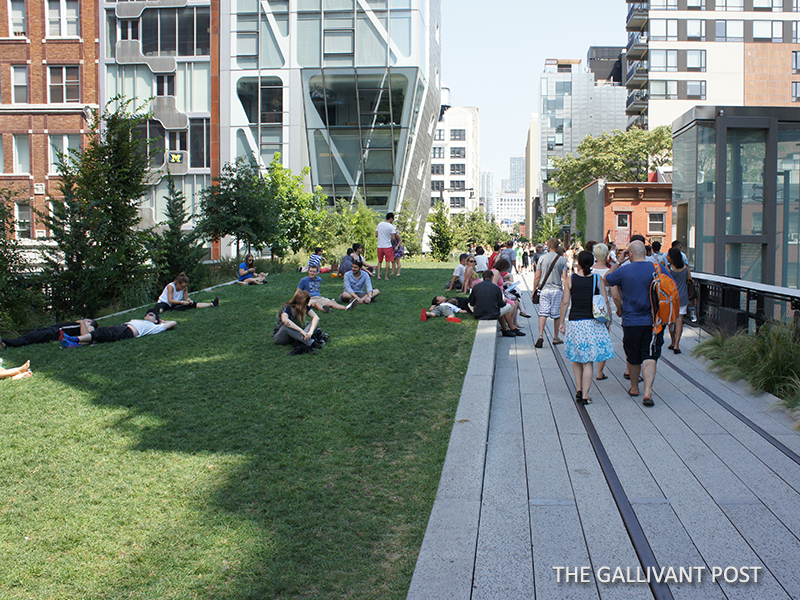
317 260
488 304
16 372
459 273
358 255
151 324
442 307
176 297
247 272
346 264
311 284
42 335
291 327
358 287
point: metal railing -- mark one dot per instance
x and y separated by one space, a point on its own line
729 304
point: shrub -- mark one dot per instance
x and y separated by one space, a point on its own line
768 360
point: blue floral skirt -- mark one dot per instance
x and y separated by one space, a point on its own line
588 341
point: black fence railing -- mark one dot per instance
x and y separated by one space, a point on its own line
732 304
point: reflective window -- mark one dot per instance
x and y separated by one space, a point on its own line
458 153
439 135
663 60
23 220
19 84
65 84
695 60
437 169
746 153
22 154
663 90
458 169
663 29
695 29
696 90
60 145
17 18
200 143
176 32
458 134
63 19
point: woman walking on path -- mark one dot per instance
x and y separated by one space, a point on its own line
588 340
680 273
600 252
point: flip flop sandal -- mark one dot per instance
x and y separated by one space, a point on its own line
602 378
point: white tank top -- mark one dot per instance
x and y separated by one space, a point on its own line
176 295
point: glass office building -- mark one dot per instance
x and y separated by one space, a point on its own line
349 88
736 191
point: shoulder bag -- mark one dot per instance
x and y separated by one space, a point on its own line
599 306
538 291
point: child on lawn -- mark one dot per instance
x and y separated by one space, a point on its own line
442 307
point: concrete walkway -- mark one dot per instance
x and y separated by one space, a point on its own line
525 508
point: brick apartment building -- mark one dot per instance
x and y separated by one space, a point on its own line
48 88
616 211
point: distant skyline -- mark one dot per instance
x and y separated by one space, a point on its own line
493 56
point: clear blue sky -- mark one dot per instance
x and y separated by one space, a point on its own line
493 54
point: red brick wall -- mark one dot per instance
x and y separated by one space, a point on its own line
638 200
38 53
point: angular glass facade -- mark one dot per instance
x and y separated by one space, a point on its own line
736 192
349 88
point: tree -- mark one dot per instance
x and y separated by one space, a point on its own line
441 238
475 227
100 254
270 210
177 250
292 211
365 220
234 204
17 296
546 227
406 225
620 156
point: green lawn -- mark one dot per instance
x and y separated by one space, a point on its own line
205 463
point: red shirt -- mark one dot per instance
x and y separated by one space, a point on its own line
492 258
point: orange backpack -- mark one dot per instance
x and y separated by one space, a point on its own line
664 300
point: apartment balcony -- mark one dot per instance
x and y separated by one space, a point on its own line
637 46
639 121
637 102
637 75
637 16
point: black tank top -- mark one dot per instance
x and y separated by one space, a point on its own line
583 288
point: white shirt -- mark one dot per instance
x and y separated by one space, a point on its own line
176 295
145 327
385 231
481 262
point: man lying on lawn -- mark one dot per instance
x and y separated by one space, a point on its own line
134 328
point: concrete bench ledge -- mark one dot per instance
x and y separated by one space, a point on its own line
446 560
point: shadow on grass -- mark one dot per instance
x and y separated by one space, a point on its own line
304 477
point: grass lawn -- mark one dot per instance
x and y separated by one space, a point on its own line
205 463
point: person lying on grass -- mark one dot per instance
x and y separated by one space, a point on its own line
311 284
442 307
176 296
134 328
16 372
43 335
247 272
291 327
